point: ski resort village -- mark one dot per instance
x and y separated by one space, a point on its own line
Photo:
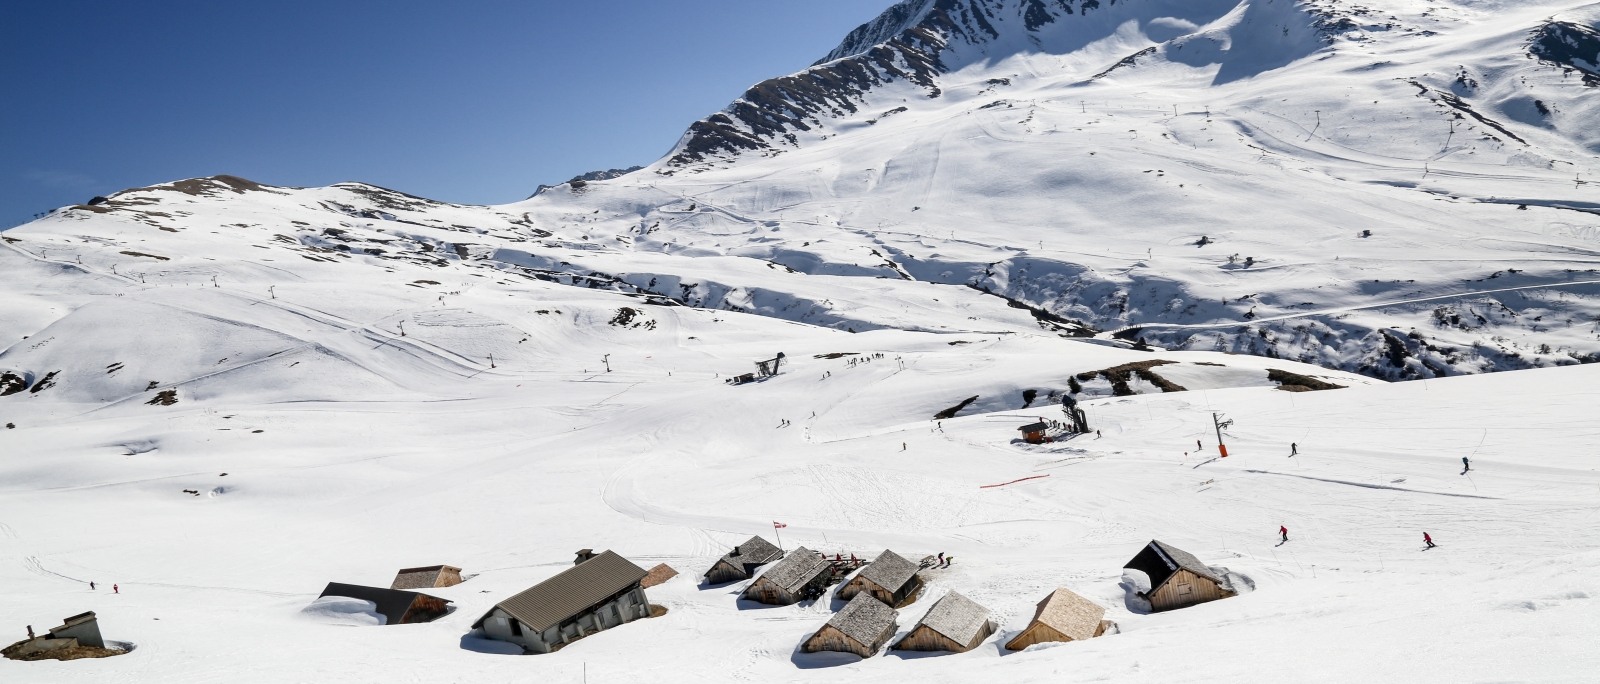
1014 340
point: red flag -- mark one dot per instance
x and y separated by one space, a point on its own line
778 525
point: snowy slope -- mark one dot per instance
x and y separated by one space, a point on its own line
221 395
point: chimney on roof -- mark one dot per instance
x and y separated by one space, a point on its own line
583 555
735 551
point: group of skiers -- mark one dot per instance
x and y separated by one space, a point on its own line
1283 533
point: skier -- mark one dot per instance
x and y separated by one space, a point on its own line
1285 532
115 590
1097 434
1197 446
1294 449
1427 540
91 586
941 558
1465 464
948 560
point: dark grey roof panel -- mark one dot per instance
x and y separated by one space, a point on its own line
391 603
573 591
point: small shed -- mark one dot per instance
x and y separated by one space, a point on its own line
1061 616
83 627
890 578
430 577
599 592
658 575
1177 578
396 606
801 575
862 627
955 623
1033 433
742 561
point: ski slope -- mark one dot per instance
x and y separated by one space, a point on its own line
406 382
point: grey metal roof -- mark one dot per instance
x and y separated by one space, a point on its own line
889 570
575 590
956 617
864 619
796 569
754 551
1033 427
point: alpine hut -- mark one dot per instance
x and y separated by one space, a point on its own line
397 607
801 575
599 592
1177 578
1061 616
955 623
890 578
741 562
430 577
1034 433
862 627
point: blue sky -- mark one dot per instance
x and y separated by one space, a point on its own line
474 102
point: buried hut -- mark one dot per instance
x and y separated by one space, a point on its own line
1177 578
862 627
77 637
955 623
1034 433
599 592
890 578
741 562
396 606
801 575
430 577
1061 616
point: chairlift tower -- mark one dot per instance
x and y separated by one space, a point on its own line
1220 425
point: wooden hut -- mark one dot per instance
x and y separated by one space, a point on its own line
1061 616
397 607
1177 578
862 627
1033 433
801 575
430 577
890 578
599 592
741 562
955 623
658 575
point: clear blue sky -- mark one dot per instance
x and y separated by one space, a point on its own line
474 101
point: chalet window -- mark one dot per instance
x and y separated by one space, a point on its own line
1185 590
516 628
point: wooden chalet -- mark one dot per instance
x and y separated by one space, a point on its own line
801 575
862 627
599 592
1033 433
890 578
1177 578
955 623
430 577
1061 616
742 561
396 606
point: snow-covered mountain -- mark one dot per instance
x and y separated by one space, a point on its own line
220 395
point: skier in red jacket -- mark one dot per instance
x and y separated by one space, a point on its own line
1284 531
1427 540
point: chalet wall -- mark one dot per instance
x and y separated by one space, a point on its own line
1185 589
724 572
1036 633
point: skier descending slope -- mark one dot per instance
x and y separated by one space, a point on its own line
1284 531
1428 540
